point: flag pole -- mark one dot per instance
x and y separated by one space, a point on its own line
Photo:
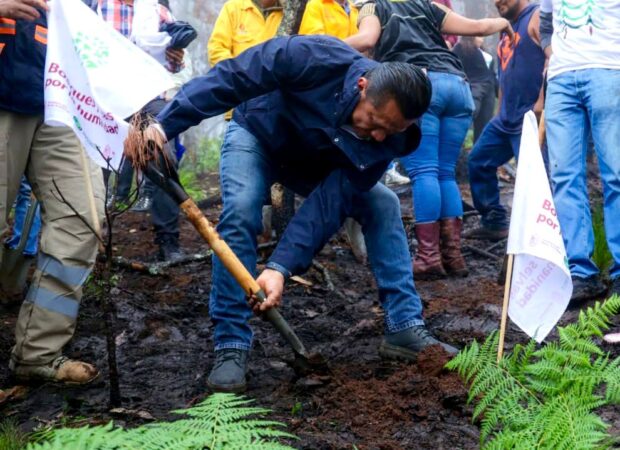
502 328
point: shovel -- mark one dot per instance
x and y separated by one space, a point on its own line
161 172
15 266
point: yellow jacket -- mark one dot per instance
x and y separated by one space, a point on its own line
240 26
328 17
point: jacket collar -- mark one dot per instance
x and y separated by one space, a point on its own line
350 94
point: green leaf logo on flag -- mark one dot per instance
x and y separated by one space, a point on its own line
92 51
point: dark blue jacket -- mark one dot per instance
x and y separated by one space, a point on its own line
22 61
23 45
295 94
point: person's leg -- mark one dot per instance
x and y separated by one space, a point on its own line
22 204
422 166
454 126
603 105
378 211
164 210
123 184
493 149
16 131
245 177
485 113
567 135
455 122
48 316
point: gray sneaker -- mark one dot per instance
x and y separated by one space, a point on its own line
408 343
228 373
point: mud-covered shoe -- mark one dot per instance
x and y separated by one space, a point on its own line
487 234
586 289
228 373
169 250
61 370
408 343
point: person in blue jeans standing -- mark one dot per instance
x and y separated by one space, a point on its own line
411 31
22 203
583 98
521 78
317 116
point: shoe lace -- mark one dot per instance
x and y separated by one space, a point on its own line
425 335
231 354
59 362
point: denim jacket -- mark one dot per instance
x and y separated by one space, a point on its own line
295 95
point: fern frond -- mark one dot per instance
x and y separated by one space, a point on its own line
594 320
221 422
470 360
545 398
570 424
510 440
106 437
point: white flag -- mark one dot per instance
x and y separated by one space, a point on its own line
94 78
541 283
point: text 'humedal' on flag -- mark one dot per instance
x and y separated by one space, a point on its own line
95 78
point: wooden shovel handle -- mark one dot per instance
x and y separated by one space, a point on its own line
221 248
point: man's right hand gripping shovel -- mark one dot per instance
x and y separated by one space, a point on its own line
145 148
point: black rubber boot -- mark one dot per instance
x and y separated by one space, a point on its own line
586 289
408 343
169 250
228 373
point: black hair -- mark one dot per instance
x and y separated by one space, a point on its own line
407 84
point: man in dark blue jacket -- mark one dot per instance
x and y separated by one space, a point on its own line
325 121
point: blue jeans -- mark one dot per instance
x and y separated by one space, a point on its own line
22 203
494 148
432 166
246 173
579 102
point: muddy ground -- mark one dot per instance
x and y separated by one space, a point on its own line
164 339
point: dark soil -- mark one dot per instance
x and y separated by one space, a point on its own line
164 340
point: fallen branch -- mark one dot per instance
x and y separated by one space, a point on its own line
481 252
158 269
327 278
496 245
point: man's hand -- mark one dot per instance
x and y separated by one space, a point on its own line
507 28
175 55
272 283
22 9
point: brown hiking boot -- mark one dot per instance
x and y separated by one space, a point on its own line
451 257
487 234
61 370
427 260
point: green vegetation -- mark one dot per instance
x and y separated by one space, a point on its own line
11 437
545 398
222 421
601 256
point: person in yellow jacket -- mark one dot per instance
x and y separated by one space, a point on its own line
332 17
242 24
